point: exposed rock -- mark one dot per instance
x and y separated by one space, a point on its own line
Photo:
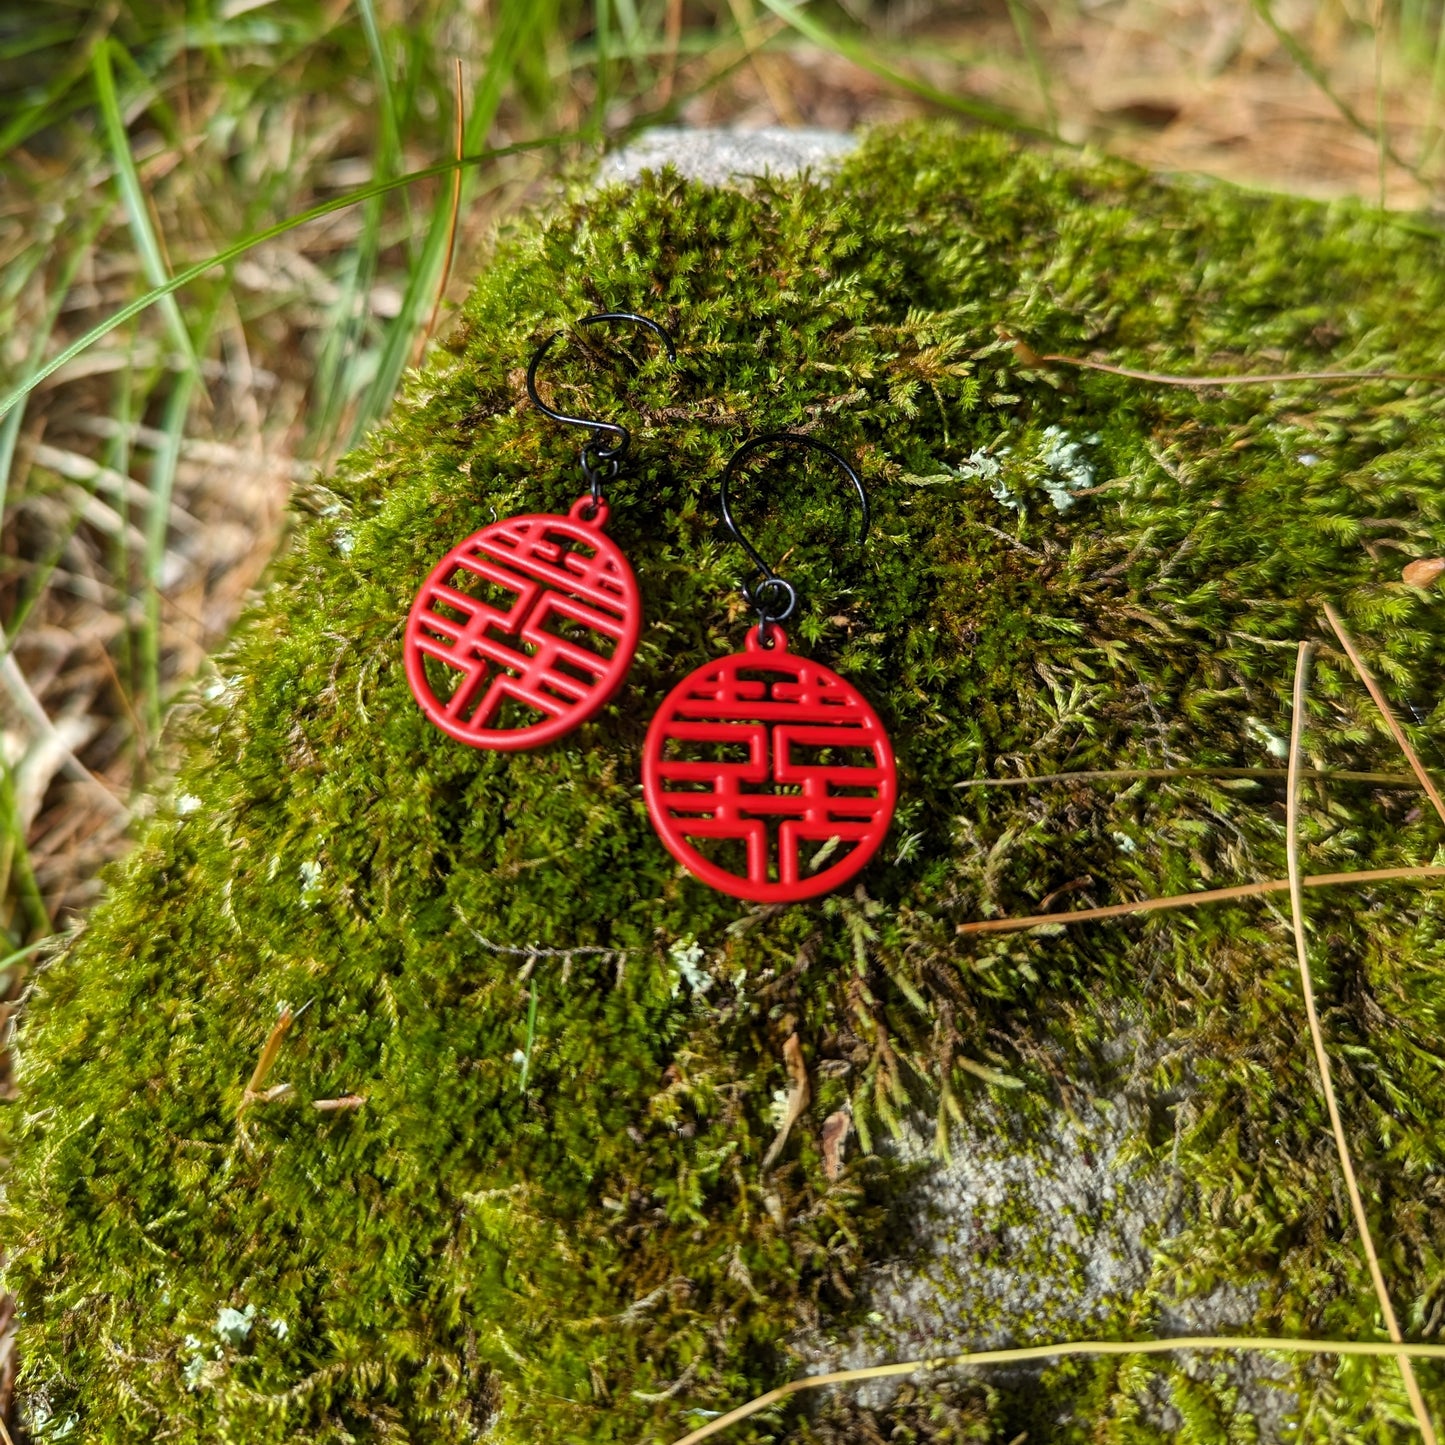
1027 1236
722 157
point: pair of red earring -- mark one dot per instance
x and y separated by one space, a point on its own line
766 775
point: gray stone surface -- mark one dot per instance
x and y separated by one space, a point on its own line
724 157
1024 1239
1014 1241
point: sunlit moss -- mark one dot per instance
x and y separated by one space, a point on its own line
599 1256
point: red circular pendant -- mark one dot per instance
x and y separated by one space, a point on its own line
524 630
768 776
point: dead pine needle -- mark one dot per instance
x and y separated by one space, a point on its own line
672 38
753 38
797 1100
1162 378
1030 358
1296 903
1391 721
1120 775
1024 1353
1269 378
836 1128
255 1091
346 1101
1207 895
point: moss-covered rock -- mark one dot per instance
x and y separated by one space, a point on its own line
1068 570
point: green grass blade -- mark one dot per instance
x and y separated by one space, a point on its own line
27 43
1301 56
334 383
19 955
390 130
629 23
15 868
338 368
156 108
162 486
980 110
10 426
239 248
24 123
522 24
1024 28
602 30
1430 129
134 197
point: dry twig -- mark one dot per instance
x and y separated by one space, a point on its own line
1028 357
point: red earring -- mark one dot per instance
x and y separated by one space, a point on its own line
525 630
767 775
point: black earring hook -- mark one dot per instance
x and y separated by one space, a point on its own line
596 454
776 598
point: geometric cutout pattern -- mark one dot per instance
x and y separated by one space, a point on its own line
524 630
768 776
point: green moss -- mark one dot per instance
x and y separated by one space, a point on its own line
459 1255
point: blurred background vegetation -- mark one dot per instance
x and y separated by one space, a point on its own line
144 483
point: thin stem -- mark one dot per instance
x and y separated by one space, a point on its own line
1306 62
1296 904
1394 780
1391 721
1191 900
1263 379
672 36
1024 29
1025 1353
754 38
866 56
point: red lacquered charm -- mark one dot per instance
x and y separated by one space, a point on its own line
768 776
525 630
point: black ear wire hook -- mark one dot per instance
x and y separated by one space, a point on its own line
594 455
776 598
